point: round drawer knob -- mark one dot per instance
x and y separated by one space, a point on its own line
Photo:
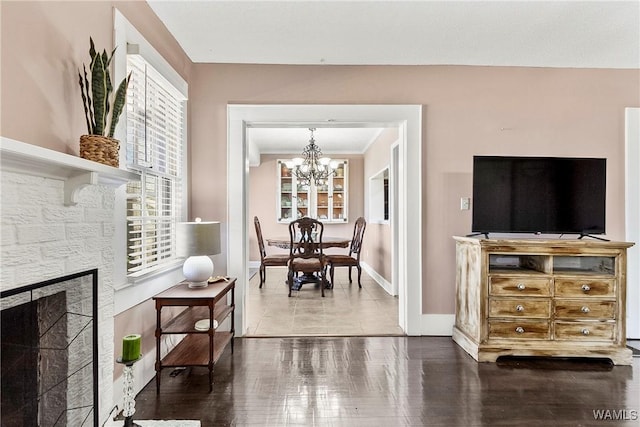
585 309
585 331
521 286
519 307
520 330
586 288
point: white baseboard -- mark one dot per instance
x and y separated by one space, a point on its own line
437 324
430 324
377 277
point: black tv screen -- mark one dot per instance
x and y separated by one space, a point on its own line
538 195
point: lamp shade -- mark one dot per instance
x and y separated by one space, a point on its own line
197 240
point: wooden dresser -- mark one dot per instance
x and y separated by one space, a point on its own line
535 297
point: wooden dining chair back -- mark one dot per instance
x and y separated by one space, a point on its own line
305 251
353 258
275 260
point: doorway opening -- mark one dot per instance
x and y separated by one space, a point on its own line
358 189
408 119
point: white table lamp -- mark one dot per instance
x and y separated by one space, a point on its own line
197 240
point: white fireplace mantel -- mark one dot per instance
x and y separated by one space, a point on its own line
76 172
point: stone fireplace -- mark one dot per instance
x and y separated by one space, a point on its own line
59 218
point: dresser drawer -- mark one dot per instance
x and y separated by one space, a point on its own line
585 331
499 329
572 287
584 309
520 286
520 307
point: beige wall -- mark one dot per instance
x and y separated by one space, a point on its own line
263 187
467 111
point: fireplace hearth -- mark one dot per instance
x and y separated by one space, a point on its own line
49 352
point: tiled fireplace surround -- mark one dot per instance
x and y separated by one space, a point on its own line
43 238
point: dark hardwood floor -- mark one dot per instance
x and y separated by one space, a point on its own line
391 381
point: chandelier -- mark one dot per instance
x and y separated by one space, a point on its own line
313 166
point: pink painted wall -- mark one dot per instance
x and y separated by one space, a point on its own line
43 44
263 187
377 247
467 111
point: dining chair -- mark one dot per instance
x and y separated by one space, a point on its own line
275 260
353 258
305 253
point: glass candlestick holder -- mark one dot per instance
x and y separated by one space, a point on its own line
129 398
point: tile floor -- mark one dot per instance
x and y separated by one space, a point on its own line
346 310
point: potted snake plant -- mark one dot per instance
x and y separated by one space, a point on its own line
102 108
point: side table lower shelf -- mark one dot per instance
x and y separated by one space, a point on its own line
193 350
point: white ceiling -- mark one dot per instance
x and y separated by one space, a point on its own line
575 34
331 140
593 34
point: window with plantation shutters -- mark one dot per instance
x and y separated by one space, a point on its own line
155 148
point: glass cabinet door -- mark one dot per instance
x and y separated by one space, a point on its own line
286 196
326 202
338 194
303 201
323 202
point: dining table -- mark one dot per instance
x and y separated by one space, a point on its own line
327 242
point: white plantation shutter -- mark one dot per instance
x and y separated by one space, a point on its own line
155 148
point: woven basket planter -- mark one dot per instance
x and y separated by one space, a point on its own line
101 149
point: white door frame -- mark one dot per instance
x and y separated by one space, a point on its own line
632 218
408 119
394 170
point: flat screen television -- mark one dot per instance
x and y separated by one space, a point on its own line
540 195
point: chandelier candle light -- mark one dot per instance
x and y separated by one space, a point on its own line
197 240
313 166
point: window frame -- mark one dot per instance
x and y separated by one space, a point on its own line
128 39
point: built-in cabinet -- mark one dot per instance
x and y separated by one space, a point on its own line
327 202
535 297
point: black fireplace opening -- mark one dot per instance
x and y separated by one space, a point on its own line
49 353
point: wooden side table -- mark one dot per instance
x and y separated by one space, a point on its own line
200 347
